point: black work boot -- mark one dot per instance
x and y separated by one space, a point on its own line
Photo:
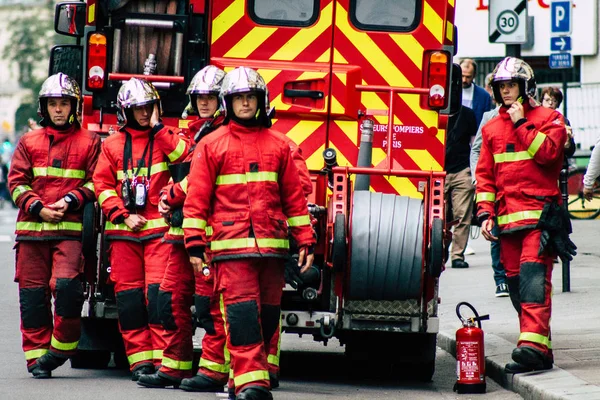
142 369
201 383
528 359
50 361
39 373
158 380
274 378
231 393
255 393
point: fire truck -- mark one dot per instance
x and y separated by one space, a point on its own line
363 87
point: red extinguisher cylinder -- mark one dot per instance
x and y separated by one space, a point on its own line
470 360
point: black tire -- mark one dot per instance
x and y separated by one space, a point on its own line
579 208
90 359
436 248
339 254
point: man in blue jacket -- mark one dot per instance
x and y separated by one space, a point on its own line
473 96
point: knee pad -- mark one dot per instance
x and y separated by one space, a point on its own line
202 304
269 317
513 291
532 286
244 328
153 317
69 297
35 308
165 310
132 309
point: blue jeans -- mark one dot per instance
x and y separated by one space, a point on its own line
499 274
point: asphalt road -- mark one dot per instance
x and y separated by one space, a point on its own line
309 370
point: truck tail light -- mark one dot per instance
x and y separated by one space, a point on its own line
437 79
96 61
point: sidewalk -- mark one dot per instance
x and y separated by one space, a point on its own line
575 320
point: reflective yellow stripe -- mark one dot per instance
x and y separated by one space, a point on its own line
156 168
175 231
141 356
193 223
485 196
535 338
226 354
536 144
106 194
175 154
184 184
213 366
157 354
230 244
63 346
209 230
59 172
178 365
151 224
19 190
251 377
48 226
299 221
247 177
273 360
519 216
512 157
90 186
37 353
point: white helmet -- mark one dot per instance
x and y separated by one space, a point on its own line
206 81
517 70
136 92
57 86
243 80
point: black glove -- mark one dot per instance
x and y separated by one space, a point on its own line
292 273
556 227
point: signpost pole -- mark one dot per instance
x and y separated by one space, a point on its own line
513 50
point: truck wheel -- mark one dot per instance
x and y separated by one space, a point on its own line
436 248
90 359
340 248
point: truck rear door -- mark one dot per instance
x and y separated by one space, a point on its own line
289 43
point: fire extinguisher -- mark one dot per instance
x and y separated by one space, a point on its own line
470 353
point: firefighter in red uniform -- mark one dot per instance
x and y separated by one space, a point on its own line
244 184
517 188
50 181
131 171
177 291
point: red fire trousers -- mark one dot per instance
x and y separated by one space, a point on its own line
251 292
137 270
529 278
45 268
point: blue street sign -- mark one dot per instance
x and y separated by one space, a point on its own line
561 60
560 17
560 43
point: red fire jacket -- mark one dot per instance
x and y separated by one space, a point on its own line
519 167
170 146
246 181
46 166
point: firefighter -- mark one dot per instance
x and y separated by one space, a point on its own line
177 291
517 174
131 171
50 180
244 184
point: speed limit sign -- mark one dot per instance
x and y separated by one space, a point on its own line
508 21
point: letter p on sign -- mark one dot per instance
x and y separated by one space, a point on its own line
560 14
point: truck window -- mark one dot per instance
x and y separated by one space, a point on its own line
385 15
284 12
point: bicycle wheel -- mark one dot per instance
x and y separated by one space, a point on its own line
579 208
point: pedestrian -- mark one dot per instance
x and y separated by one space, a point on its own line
592 172
473 96
244 184
132 170
459 188
552 98
181 286
489 90
50 180
517 173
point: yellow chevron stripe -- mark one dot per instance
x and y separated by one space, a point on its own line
411 46
378 156
250 42
336 106
324 58
224 21
342 77
279 104
428 117
297 44
433 22
350 129
338 58
308 75
405 187
268 74
441 136
449 30
303 129
451 2
423 159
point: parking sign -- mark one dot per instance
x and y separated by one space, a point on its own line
560 17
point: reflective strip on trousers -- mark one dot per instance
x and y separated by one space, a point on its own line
63 346
485 196
151 224
106 194
519 216
156 168
147 355
251 377
178 365
49 226
273 360
19 190
58 172
213 366
230 244
535 338
233 179
33 354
